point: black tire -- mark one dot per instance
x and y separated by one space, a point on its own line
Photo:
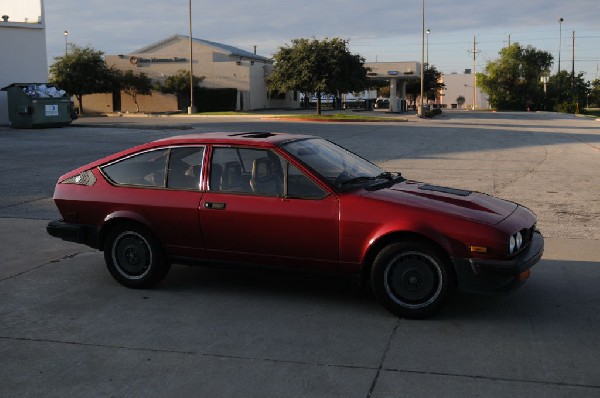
411 280
134 257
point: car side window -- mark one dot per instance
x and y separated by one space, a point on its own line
300 186
246 170
146 169
185 168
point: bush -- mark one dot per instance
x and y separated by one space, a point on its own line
566 107
433 112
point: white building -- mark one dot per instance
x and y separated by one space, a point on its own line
221 65
462 85
22 45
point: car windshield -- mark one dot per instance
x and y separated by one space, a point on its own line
339 167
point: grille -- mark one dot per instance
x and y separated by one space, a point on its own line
527 234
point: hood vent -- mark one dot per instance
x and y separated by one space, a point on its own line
451 191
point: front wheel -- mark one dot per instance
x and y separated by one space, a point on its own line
134 257
411 280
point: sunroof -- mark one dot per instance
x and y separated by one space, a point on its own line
253 135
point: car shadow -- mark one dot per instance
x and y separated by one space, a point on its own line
557 292
268 283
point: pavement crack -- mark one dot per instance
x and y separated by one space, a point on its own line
185 352
383 358
24 202
379 369
490 378
57 260
531 170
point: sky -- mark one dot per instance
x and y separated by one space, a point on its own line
378 30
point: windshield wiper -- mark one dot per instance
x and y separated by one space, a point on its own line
388 176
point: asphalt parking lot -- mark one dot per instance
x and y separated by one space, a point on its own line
68 329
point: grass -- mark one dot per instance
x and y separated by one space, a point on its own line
226 113
590 112
341 117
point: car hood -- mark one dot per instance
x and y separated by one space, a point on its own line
468 204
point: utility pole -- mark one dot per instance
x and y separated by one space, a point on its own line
191 107
420 111
474 52
573 59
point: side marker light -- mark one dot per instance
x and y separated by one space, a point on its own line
478 249
524 275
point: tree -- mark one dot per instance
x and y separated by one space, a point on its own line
179 84
82 71
318 67
567 93
460 101
431 85
594 94
135 85
513 80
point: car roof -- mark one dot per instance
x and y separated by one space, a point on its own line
257 139
260 138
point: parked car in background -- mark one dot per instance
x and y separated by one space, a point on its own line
293 201
382 103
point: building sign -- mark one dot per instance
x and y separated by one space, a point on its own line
139 60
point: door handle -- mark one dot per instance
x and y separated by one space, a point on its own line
214 205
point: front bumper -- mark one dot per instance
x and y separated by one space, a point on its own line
78 233
477 275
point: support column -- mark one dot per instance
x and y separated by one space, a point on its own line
402 95
393 96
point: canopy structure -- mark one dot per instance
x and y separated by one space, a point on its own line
398 74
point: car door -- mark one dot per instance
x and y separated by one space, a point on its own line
161 188
251 213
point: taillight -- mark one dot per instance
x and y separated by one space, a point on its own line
84 178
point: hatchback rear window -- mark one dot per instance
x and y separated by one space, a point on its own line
146 169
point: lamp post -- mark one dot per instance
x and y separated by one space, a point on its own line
66 35
427 59
191 107
560 21
420 111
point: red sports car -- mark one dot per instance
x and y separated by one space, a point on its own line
293 201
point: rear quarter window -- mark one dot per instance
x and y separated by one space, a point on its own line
146 169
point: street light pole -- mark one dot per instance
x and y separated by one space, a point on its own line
420 112
66 34
427 59
191 107
560 21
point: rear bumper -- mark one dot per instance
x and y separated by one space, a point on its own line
78 233
498 277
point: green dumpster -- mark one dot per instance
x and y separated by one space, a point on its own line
37 105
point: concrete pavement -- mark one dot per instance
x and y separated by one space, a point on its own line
67 329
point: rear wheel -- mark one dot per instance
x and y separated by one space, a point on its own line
134 257
411 280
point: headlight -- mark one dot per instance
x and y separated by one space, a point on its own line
519 239
515 243
512 244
